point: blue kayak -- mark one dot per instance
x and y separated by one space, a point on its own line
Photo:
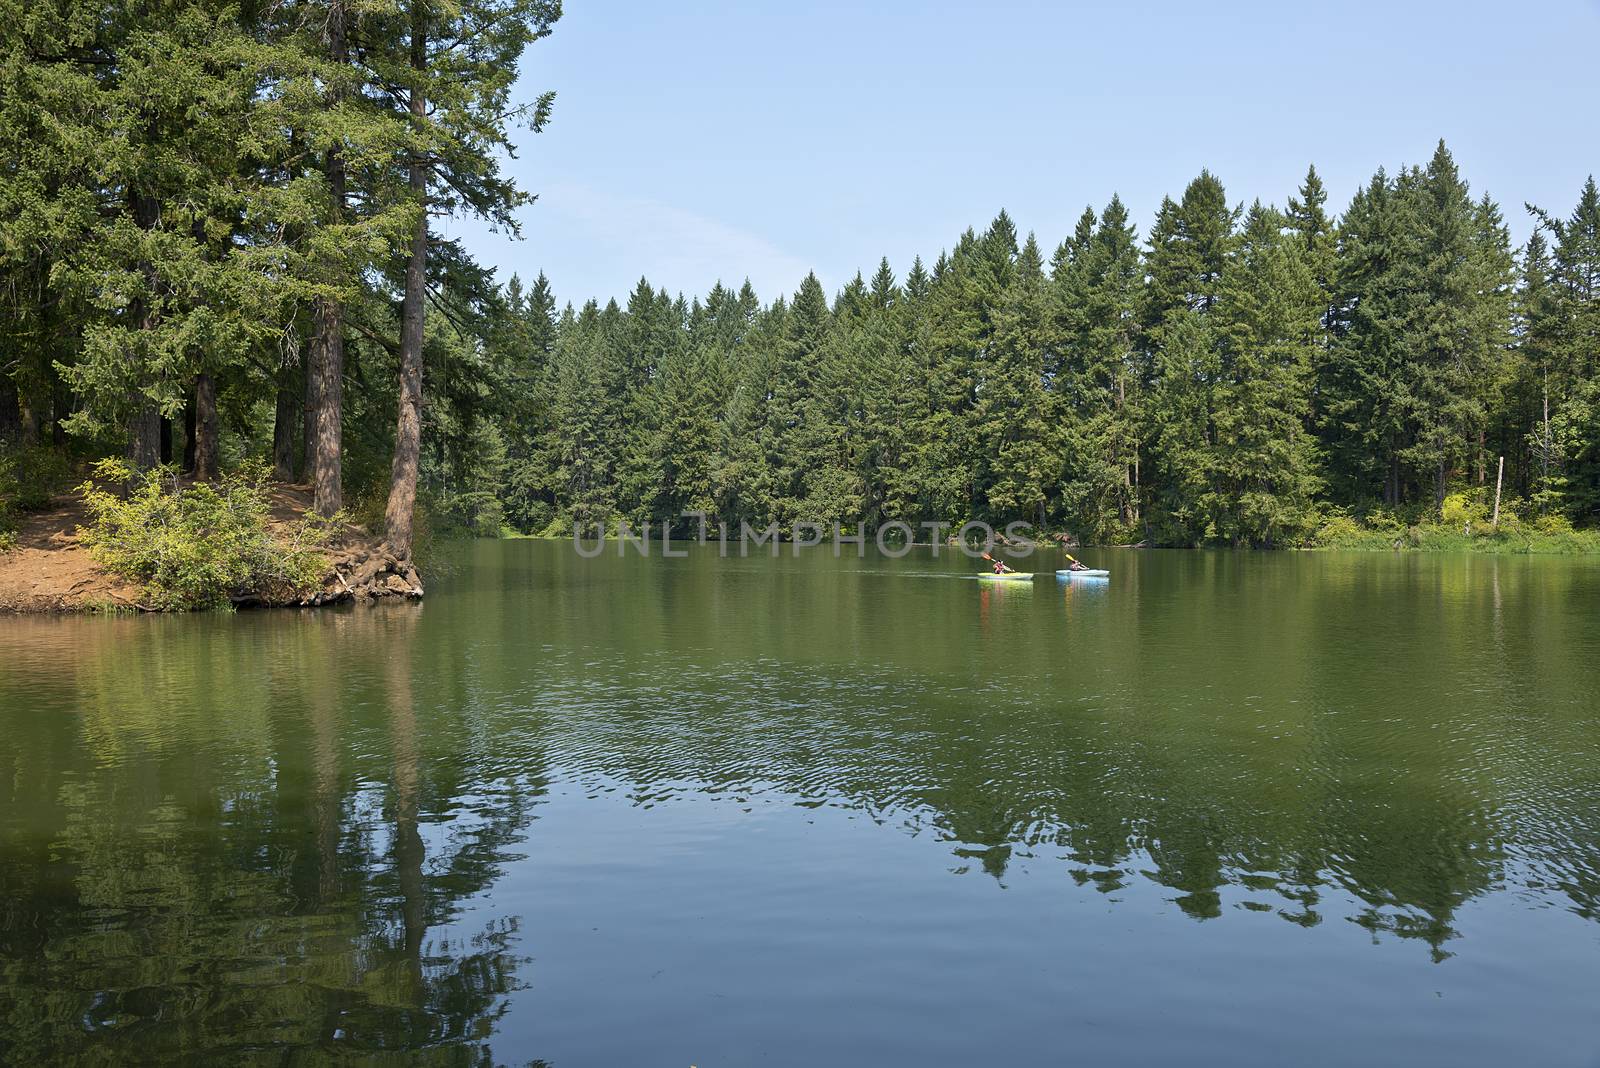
1090 574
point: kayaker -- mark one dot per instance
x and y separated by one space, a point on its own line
1073 565
1000 566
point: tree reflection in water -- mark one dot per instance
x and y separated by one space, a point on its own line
289 870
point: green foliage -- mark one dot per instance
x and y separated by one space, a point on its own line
1553 525
1339 527
200 546
1256 377
1463 510
30 477
1463 523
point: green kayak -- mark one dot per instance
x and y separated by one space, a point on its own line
1009 576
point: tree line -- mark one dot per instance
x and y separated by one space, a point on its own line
1231 377
215 245
214 225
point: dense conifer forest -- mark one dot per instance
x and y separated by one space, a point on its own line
215 246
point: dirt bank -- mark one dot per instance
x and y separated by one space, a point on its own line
49 571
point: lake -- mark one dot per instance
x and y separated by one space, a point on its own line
1226 808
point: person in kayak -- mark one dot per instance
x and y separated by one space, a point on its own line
1000 566
1073 565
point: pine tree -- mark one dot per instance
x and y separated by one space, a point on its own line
1526 426
452 80
688 434
1361 385
1180 427
1190 248
1457 313
794 388
740 482
902 405
1013 427
584 418
1263 471
1097 284
1307 216
1574 354
529 496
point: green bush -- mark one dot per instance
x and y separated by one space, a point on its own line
1554 524
200 546
1464 512
1336 527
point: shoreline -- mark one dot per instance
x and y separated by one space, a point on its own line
48 571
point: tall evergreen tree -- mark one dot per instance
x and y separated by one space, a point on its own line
453 81
1263 470
1013 427
1097 285
1190 248
1573 340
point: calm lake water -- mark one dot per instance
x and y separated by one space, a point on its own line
1241 809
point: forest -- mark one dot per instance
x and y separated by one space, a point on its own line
215 248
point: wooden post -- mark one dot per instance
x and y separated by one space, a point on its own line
1498 479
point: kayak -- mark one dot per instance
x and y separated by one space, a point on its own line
1091 573
1009 576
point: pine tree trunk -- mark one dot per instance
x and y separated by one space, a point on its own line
188 435
327 441
207 451
328 363
398 516
1544 452
283 420
308 413
144 433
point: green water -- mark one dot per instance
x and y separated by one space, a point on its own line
1240 809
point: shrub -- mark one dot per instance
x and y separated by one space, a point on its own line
1338 527
201 546
1385 521
1554 524
1462 511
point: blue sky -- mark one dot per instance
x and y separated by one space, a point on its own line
694 141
